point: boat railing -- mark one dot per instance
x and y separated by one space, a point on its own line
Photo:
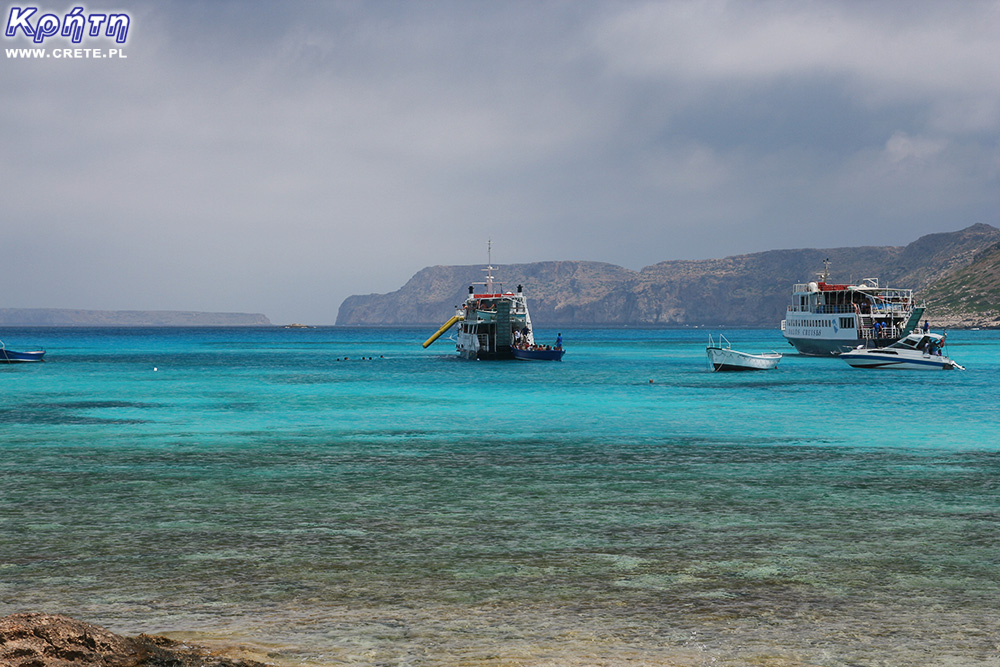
889 332
723 342
831 310
878 308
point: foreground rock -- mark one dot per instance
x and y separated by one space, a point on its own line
50 640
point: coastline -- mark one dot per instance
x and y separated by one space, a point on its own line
69 317
949 321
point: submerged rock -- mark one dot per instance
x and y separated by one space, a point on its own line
51 640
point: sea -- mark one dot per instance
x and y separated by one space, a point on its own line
343 496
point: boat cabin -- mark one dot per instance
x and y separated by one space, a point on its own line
871 311
925 342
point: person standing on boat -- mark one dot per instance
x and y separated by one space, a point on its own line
559 342
927 326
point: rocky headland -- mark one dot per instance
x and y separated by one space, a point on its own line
51 640
957 275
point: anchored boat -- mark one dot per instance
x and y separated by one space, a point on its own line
825 318
539 353
722 357
494 324
917 351
12 357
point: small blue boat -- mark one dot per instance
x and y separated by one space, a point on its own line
539 354
13 357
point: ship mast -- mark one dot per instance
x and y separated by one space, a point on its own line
489 266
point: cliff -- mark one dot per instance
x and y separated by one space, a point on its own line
126 318
744 290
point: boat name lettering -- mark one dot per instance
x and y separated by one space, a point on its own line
72 25
804 332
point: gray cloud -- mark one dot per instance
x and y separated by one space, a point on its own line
278 157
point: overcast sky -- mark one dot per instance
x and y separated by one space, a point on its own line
279 157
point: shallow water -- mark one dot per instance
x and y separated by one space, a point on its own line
343 496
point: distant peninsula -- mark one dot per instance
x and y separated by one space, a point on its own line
957 275
57 317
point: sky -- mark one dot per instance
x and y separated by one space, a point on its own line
277 157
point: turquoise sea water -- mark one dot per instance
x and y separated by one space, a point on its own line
339 496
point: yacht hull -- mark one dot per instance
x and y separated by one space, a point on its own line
883 360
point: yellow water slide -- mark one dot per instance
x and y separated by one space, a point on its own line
447 325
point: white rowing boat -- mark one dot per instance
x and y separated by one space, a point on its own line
722 357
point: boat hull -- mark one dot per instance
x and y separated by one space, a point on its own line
486 355
12 357
831 347
539 355
882 360
725 359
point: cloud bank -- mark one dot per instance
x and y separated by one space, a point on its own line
278 157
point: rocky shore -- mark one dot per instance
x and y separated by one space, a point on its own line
51 640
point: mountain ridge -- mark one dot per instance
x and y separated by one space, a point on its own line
740 290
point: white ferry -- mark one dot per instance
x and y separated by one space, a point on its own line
494 324
828 319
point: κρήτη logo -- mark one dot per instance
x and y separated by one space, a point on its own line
74 25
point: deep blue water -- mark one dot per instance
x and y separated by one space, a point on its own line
343 496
